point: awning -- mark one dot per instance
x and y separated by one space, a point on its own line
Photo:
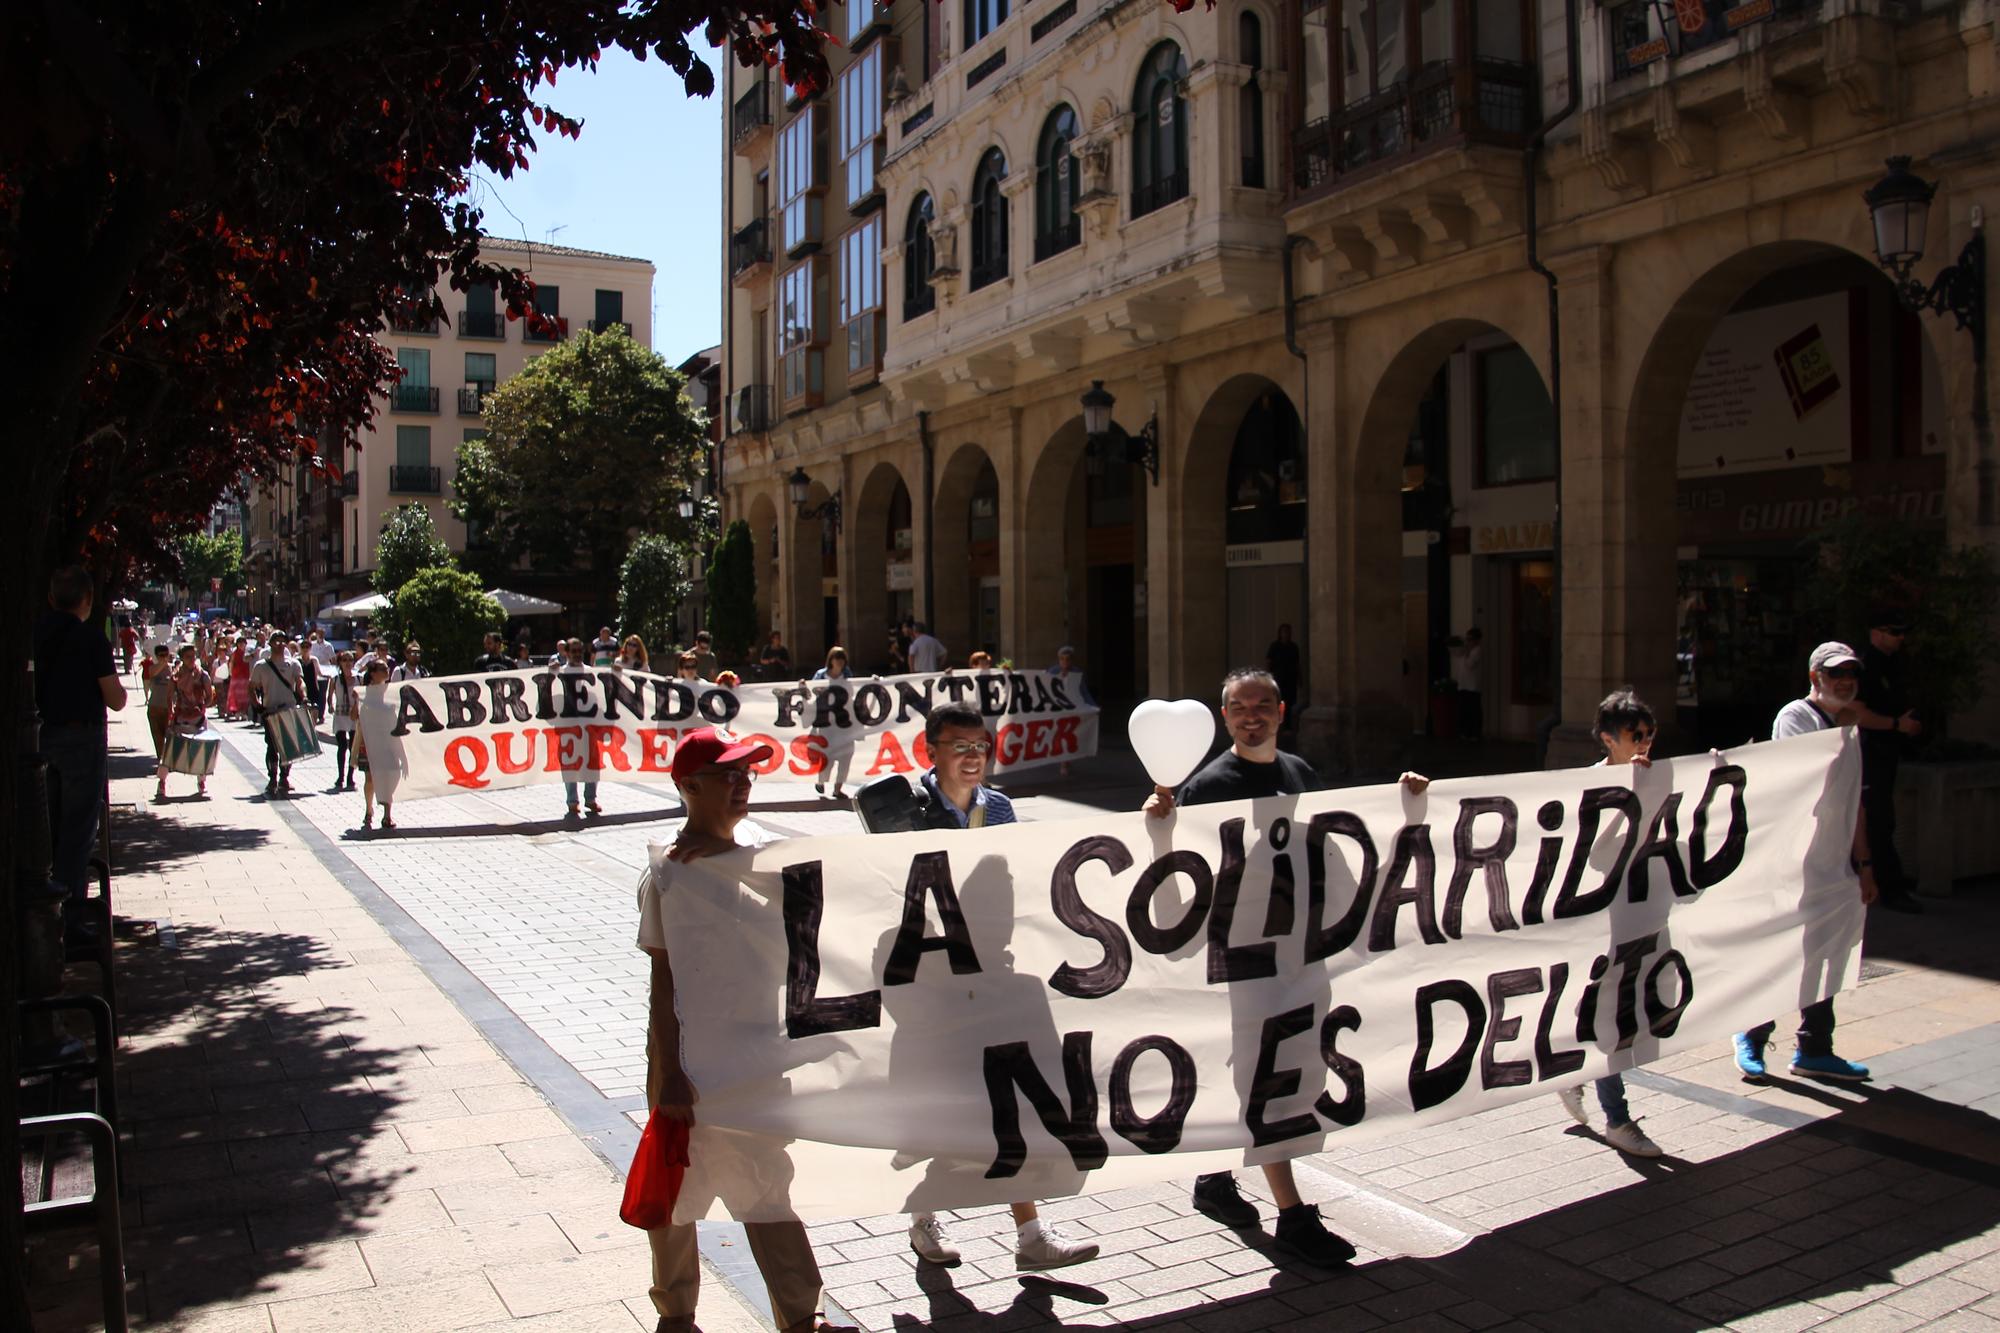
521 604
364 605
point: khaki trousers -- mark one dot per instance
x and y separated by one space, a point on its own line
784 1256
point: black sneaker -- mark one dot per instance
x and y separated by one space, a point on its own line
1218 1197
1301 1232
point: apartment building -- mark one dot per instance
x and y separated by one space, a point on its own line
1565 322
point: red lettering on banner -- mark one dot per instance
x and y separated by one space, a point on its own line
1065 741
465 760
1006 747
656 750
1038 740
773 762
889 755
565 745
607 750
503 750
808 755
920 752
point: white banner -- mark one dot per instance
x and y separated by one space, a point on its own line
517 728
943 1019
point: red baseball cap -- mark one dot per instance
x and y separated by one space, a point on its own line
712 745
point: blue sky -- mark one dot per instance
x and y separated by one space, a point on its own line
643 179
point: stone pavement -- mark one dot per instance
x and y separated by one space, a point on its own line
482 925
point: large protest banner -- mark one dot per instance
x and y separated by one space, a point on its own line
517 728
942 1019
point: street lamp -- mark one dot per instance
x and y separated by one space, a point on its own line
1106 435
801 488
1899 208
686 506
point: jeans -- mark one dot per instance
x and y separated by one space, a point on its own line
77 766
1611 1100
589 792
1815 1033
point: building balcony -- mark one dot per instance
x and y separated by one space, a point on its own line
1054 242
413 479
750 119
1157 194
750 251
483 324
415 398
350 484
554 329
753 409
1445 105
408 321
472 399
606 325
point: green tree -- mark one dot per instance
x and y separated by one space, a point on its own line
447 612
593 441
651 587
732 594
204 558
409 542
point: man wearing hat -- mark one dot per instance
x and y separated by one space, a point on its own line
1886 693
1834 671
714 772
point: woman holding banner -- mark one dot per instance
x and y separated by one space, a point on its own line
839 746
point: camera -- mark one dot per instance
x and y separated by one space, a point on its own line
890 804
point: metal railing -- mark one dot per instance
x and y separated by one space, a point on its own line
350 483
416 398
606 325
753 408
750 246
1057 240
482 324
1156 194
413 479
555 330
406 322
472 400
1486 101
751 113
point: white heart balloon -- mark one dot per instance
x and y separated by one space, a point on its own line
1170 738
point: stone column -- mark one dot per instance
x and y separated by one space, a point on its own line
1171 611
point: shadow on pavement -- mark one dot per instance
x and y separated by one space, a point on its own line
144 842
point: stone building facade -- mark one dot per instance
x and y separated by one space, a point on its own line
1341 262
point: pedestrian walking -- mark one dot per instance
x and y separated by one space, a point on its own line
128 641
632 654
76 685
317 659
523 658
277 683
239 681
377 674
705 661
926 652
1467 675
839 745
713 774
1281 659
1070 676
573 665
955 795
604 647
1834 675
494 658
1625 730
190 694
775 661
688 667
412 665
156 682
344 702
1887 728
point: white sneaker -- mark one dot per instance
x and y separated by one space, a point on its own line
931 1241
1041 1246
1629 1139
1572 1101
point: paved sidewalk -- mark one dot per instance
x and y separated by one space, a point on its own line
372 1073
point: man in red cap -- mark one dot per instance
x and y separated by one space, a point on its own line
714 772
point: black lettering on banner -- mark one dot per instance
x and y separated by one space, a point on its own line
1020 699
1281 908
410 705
1139 907
806 1015
1662 844
872 703
1411 878
831 708
1492 858
1160 1132
620 688
1707 872
1325 941
1550 817
789 703
1431 1086
956 686
1240 962
672 702
1628 956
461 703
1586 1004
911 700
1108 974
1349 1109
1501 1029
719 706
1269 1083
992 694
930 878
1044 702
507 696
1550 1062
1060 689
1662 1019
545 704
1597 800
1012 1065
576 701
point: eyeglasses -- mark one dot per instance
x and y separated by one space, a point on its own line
964 748
735 777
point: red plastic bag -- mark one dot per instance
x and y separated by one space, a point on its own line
654 1182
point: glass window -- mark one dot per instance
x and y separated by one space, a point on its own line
1496 27
610 309
919 258
983 513
548 300
989 220
1267 474
1250 99
802 321
1434 31
416 364
479 299
1316 96
413 446
981 18
861 295
1371 40
1516 423
799 179
861 121
1159 139
1056 228
481 368
860 14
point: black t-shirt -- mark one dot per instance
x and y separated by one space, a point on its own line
1230 777
491 662
70 658
1885 689
776 654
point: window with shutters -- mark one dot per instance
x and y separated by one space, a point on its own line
861 298
989 221
861 125
1056 228
802 334
919 258
1159 132
801 181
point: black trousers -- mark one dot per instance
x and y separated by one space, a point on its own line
1878 807
1815 1033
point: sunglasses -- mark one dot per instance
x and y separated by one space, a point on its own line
1841 673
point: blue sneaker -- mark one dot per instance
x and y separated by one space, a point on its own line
1829 1066
1749 1058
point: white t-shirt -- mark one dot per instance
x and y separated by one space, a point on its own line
282 684
652 884
1798 718
322 652
1465 668
926 654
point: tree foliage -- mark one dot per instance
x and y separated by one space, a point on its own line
652 584
732 593
204 558
447 612
594 440
409 543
